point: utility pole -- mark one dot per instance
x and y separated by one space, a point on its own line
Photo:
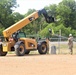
59 40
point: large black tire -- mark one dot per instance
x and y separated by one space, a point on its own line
27 51
1 51
20 49
42 48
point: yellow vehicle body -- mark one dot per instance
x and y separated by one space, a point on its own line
6 46
30 44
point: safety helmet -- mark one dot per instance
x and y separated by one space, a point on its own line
70 34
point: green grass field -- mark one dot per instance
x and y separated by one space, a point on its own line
62 47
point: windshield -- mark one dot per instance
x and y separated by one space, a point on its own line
21 35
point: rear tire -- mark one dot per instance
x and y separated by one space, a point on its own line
42 48
1 51
20 49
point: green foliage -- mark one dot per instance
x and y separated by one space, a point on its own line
52 10
64 31
64 13
1 29
17 17
30 11
6 11
45 31
67 13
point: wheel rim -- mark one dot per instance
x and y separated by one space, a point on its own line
43 47
21 49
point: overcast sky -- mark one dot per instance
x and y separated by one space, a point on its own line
24 5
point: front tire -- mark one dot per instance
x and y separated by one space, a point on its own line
1 51
42 48
20 49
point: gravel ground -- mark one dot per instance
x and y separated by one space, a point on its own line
35 64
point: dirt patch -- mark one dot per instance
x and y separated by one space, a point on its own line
38 65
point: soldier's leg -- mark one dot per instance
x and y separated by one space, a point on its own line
71 51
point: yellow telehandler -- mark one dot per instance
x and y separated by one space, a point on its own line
14 40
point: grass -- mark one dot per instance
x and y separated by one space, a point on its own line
62 48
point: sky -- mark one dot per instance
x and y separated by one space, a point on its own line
24 5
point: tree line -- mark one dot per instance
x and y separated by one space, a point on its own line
64 14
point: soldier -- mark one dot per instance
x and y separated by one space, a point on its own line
70 43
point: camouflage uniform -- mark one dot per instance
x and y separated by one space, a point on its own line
70 43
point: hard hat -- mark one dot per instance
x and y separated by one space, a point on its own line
70 34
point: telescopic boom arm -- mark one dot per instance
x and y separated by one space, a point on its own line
17 26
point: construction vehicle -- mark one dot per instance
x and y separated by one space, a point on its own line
15 40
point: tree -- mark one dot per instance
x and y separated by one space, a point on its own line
64 12
51 10
67 13
17 16
6 11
